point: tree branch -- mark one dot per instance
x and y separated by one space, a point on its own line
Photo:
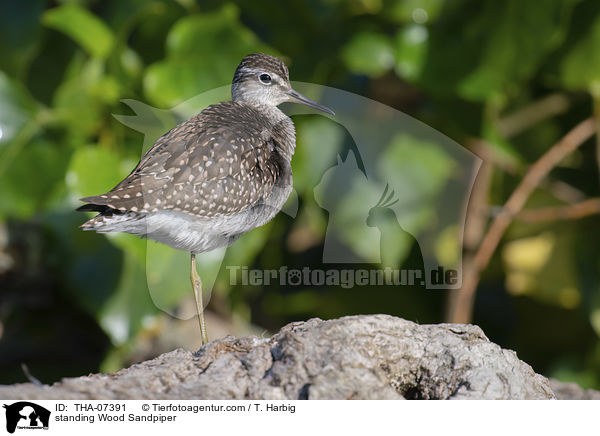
534 176
530 115
566 212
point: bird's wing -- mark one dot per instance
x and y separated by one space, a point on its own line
201 167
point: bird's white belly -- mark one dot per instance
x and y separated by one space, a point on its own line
195 234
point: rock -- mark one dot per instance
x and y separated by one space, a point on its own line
355 357
572 391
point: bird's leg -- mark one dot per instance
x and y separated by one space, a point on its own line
197 285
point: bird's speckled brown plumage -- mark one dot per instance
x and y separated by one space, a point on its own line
215 176
220 162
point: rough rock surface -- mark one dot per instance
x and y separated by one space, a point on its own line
355 357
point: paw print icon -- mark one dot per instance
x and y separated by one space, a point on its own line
294 277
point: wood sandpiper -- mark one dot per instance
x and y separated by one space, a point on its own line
223 172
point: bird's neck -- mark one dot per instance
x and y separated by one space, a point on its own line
278 127
282 130
270 111
284 133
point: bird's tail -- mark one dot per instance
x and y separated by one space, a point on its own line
112 220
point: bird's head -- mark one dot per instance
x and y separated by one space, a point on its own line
264 79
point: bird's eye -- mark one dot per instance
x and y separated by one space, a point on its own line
264 78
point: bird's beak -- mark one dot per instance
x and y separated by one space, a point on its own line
299 98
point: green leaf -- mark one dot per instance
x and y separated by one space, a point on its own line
148 120
16 108
411 48
512 52
79 101
311 160
202 53
409 11
542 267
369 53
21 193
495 50
83 27
93 171
19 33
421 167
580 68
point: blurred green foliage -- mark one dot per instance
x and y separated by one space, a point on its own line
459 65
